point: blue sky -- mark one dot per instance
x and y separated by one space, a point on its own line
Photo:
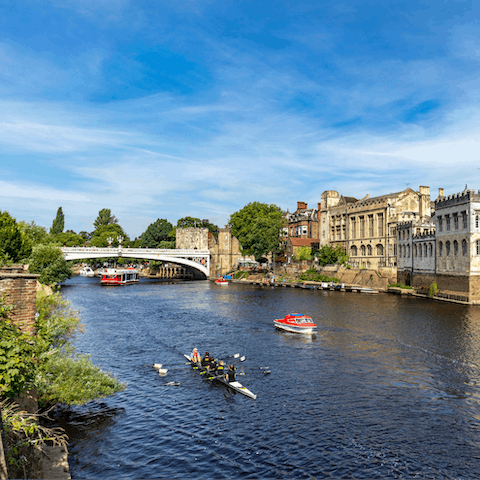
159 109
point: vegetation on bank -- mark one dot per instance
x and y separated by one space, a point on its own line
311 275
400 285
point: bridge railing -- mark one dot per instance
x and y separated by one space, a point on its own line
124 250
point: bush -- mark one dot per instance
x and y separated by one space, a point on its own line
400 285
241 274
311 275
433 289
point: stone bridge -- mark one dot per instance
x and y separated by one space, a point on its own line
197 259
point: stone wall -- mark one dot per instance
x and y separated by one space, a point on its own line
192 238
20 289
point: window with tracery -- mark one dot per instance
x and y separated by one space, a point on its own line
440 249
455 248
447 248
464 247
362 250
369 250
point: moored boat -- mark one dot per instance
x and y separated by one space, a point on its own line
296 323
221 281
86 272
237 386
114 276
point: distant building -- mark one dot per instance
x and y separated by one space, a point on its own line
303 223
294 244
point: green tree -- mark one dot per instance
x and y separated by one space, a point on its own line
58 223
35 233
69 239
14 243
156 233
103 232
48 261
328 255
257 227
304 253
85 235
104 218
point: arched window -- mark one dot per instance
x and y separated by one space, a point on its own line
380 249
455 248
408 251
353 251
369 250
420 250
440 249
430 249
415 251
464 247
447 248
425 250
362 250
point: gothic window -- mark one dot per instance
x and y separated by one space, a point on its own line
369 250
362 227
370 226
362 250
455 221
379 249
395 249
353 251
447 248
464 220
447 221
440 224
353 223
478 247
380 224
425 250
477 220
440 249
464 247
455 248
408 251
430 249
415 251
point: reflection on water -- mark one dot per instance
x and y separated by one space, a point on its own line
388 387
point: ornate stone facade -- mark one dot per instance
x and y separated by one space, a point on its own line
366 228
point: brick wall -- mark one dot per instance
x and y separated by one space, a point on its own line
20 290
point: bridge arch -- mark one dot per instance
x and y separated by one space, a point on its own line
197 259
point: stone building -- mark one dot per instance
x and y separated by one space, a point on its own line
191 238
457 219
416 250
366 228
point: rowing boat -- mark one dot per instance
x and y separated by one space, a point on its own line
237 386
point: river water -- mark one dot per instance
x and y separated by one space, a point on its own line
387 388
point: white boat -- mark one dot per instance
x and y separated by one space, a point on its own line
237 386
86 272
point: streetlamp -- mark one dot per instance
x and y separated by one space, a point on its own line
109 240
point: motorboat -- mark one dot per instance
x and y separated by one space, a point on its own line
221 281
86 272
114 276
296 323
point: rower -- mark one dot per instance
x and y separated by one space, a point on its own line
230 375
220 370
195 356
206 360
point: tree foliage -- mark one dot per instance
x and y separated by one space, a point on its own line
187 222
101 235
58 223
69 239
257 227
303 253
48 261
15 245
104 218
156 233
35 233
328 255
17 360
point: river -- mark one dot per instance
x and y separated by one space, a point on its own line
387 388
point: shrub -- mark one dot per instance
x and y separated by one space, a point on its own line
311 275
400 285
433 289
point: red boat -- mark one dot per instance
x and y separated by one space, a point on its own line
221 281
296 323
112 276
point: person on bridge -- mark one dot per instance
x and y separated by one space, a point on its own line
195 356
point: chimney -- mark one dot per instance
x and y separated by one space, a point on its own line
301 206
